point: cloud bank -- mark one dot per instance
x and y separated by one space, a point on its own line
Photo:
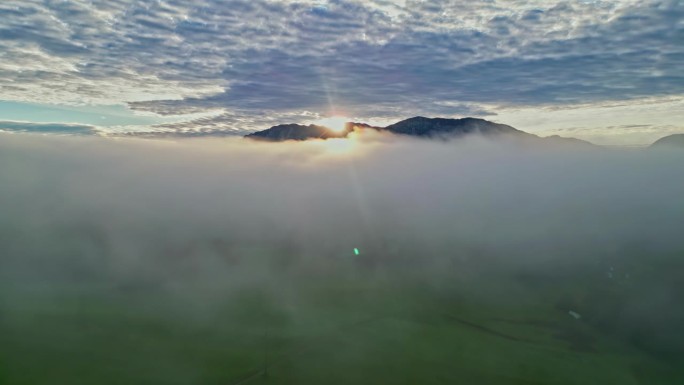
203 233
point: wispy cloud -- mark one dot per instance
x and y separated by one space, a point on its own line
54 128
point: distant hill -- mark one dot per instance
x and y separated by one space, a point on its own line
435 128
285 132
672 141
559 140
439 127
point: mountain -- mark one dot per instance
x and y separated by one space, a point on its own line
439 127
571 142
285 132
671 141
434 128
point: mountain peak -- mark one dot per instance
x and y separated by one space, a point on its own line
300 132
443 127
671 141
418 126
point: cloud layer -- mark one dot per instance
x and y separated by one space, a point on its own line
129 253
377 59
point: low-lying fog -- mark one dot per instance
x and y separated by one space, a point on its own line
185 228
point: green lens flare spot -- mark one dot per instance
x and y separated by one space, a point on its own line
356 251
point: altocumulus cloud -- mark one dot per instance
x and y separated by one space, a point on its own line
377 59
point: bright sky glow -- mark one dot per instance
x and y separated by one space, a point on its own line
335 123
104 116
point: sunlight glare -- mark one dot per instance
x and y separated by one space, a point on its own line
337 146
335 123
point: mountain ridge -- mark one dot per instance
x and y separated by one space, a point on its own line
670 141
418 126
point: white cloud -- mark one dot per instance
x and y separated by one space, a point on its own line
179 228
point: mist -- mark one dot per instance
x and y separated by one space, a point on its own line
224 246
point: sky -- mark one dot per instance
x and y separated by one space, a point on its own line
605 71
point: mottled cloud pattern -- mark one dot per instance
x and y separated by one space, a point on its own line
377 59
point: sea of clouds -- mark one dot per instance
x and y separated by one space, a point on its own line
197 220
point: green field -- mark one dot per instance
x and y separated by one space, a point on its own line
343 321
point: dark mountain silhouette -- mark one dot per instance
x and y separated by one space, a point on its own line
439 127
285 132
435 128
671 141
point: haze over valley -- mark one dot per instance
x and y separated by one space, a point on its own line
336 192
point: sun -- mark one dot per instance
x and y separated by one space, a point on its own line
335 123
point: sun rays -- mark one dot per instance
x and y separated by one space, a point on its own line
335 123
